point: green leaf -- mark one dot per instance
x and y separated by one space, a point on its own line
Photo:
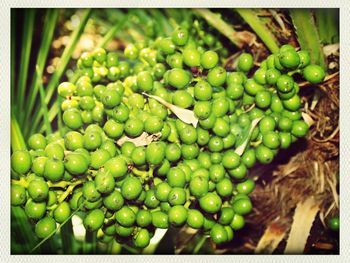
17 140
250 17
112 32
54 111
17 214
89 245
43 104
247 133
47 35
23 230
327 21
69 244
13 57
29 17
307 34
215 21
66 56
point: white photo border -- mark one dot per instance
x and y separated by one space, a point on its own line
6 5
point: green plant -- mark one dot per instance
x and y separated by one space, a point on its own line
145 102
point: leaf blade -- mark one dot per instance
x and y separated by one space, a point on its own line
308 38
259 28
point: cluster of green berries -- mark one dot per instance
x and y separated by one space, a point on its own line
189 175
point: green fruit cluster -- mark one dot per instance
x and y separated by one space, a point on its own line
188 175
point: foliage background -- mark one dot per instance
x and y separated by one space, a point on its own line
45 44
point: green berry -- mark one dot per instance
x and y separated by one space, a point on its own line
264 154
37 141
94 220
333 223
209 59
289 59
177 215
217 76
242 206
299 128
191 57
62 212
224 188
21 161
314 74
142 238
35 210
125 216
218 234
116 166
179 78
177 196
113 201
143 218
38 190
18 195
45 227
54 170
210 203
245 62
195 218
104 182
180 36
76 163
131 188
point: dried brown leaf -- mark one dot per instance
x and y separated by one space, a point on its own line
304 216
240 149
142 140
272 237
185 115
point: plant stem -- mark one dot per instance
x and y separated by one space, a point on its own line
199 244
58 228
259 28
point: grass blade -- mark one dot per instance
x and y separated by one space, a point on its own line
48 30
112 32
162 20
57 229
43 104
215 21
327 21
13 57
17 140
306 31
250 17
29 17
17 213
66 56
69 244
24 232
53 112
